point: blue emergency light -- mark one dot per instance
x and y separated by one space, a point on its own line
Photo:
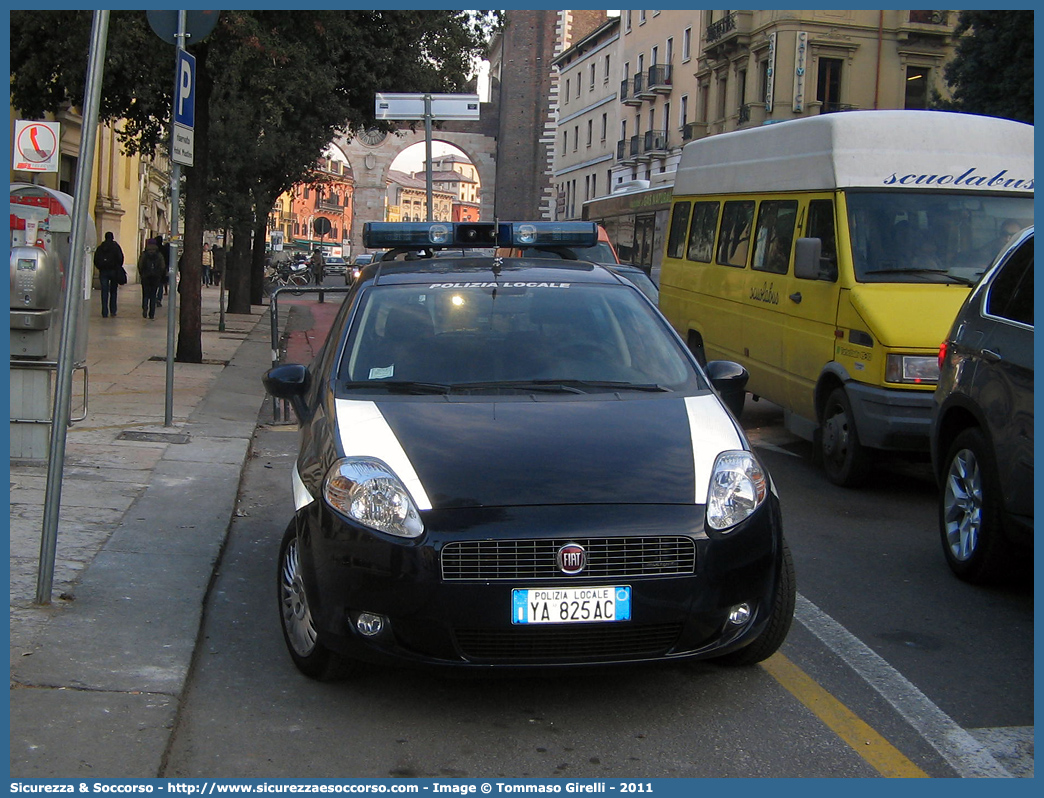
437 235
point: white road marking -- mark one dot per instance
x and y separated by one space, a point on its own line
965 754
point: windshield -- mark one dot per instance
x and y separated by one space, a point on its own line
546 337
907 237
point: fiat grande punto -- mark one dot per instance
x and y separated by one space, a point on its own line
515 462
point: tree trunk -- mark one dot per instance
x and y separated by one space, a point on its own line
257 262
239 274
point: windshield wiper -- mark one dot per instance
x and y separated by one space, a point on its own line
398 387
939 272
561 386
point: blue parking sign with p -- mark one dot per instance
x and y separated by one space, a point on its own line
185 90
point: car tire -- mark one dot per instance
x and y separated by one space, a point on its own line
302 639
970 520
846 461
775 632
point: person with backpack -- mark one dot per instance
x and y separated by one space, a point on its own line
318 265
152 268
108 260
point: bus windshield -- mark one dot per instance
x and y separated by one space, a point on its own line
916 237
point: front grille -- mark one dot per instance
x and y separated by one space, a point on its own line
575 643
607 558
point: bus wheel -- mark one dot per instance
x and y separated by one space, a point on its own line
846 461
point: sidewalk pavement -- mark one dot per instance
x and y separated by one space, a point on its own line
96 676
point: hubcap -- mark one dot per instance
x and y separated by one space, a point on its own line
297 618
962 505
835 436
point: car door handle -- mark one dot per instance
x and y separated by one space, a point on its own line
990 356
796 297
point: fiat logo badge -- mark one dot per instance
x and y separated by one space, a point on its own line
571 559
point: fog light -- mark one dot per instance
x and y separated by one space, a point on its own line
739 614
369 624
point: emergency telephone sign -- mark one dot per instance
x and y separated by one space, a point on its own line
36 146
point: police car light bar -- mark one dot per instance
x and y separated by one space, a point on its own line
422 235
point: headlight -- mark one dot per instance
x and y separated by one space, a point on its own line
912 369
738 486
367 490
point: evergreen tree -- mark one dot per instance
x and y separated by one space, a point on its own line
992 69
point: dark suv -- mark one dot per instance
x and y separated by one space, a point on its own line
982 427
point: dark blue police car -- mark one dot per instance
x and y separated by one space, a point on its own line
516 462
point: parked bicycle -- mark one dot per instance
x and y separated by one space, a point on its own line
285 274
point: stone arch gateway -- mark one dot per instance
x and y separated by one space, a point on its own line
371 156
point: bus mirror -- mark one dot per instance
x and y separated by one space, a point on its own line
809 263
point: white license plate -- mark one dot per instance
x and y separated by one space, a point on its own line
571 604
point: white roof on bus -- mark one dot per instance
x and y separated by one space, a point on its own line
887 149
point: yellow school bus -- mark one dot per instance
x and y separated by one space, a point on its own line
829 256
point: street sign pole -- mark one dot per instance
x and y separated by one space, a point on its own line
175 200
73 302
427 155
456 107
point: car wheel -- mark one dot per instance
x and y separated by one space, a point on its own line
846 461
969 511
307 651
775 632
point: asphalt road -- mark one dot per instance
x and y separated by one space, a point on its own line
938 673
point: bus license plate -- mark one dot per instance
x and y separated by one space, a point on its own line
571 604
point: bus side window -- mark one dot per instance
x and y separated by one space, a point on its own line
774 237
821 226
678 230
701 234
734 243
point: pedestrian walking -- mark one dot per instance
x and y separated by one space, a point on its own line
152 268
318 265
208 265
108 260
219 264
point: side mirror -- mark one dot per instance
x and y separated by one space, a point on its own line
730 381
290 382
809 263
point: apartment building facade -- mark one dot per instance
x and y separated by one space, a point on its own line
585 144
331 200
407 200
684 75
458 176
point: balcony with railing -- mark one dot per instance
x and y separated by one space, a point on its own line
654 144
727 34
835 108
694 130
661 78
631 89
929 25
627 150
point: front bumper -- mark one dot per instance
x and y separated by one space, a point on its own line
436 618
889 418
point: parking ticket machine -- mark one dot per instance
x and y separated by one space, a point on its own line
41 227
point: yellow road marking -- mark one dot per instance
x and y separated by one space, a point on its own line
880 754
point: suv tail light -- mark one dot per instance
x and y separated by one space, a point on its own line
942 353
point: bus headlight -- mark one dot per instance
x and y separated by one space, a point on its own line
912 369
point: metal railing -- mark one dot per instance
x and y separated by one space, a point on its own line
51 365
717 30
274 320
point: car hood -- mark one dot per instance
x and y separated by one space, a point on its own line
543 452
